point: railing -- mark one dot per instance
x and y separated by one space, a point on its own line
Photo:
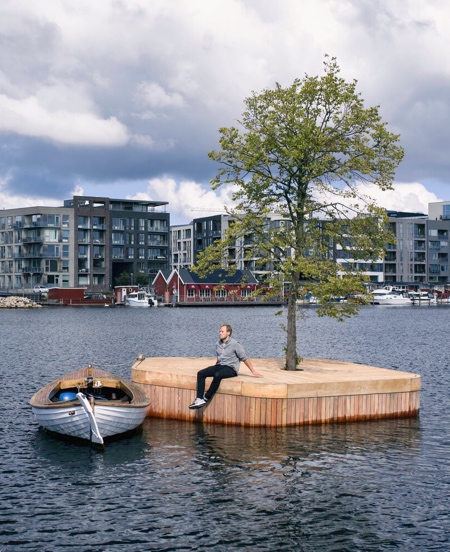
228 299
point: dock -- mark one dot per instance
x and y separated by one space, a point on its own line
324 391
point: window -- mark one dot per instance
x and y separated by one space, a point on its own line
99 251
156 239
51 235
117 224
99 279
83 222
51 265
53 220
157 225
205 292
83 236
51 250
117 238
65 251
117 252
98 222
221 292
98 236
129 252
191 292
83 251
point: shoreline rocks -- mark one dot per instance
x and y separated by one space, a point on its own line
15 302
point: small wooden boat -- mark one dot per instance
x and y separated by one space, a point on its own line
90 404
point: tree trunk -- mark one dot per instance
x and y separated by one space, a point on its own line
291 345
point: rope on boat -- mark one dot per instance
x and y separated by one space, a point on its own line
94 364
99 365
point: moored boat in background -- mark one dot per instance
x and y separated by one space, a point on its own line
388 295
139 299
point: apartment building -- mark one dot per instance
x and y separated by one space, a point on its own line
88 242
206 230
181 246
420 255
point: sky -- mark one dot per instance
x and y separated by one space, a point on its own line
125 98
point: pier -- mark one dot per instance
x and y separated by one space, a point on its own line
324 391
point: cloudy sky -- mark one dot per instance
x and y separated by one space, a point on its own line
124 98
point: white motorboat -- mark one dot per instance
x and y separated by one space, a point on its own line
140 299
388 295
422 297
90 404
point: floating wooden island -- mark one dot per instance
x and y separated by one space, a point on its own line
324 391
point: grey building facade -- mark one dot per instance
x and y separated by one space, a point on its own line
88 242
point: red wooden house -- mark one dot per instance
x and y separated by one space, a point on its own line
183 286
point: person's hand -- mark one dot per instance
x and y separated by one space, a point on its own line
257 375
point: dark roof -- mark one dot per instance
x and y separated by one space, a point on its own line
403 214
218 277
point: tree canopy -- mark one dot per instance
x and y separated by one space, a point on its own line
306 152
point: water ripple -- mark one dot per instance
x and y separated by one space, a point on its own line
177 486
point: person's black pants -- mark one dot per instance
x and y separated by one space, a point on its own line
218 372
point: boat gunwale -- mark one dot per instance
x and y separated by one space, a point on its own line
41 399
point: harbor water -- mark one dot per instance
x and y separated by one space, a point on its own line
180 486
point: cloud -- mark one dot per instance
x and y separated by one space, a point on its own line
10 200
408 197
187 199
28 117
154 95
104 93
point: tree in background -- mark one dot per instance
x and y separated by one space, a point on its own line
305 152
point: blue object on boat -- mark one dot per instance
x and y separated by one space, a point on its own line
67 396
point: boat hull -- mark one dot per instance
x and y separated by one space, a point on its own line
137 303
397 301
118 406
73 421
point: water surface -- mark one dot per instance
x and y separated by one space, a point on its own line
382 485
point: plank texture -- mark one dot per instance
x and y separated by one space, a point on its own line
323 391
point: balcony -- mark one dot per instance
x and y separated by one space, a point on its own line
33 239
31 270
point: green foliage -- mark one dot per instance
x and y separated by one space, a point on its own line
124 279
141 280
305 152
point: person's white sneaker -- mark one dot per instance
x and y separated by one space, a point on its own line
198 403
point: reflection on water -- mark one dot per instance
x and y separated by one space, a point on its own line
381 485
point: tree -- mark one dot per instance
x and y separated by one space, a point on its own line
124 279
141 280
306 152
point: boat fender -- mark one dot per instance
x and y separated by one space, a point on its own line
67 396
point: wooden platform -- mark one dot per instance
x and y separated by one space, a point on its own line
325 391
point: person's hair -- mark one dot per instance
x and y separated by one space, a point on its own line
228 327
